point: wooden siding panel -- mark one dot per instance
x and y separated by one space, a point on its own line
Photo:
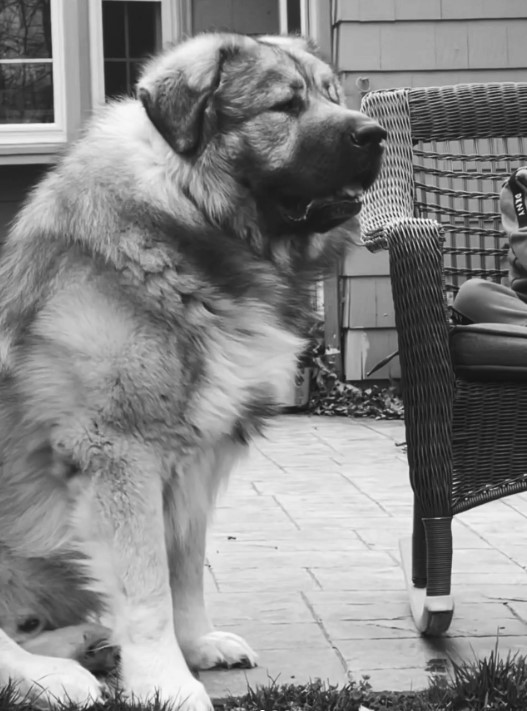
390 80
364 10
427 46
332 325
487 43
517 46
365 348
483 9
451 45
405 45
359 46
415 10
359 261
375 10
368 303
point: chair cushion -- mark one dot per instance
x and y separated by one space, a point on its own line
489 351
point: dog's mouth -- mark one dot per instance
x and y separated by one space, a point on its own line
321 214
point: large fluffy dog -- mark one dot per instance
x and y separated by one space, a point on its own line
152 295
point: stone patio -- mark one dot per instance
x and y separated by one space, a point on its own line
303 561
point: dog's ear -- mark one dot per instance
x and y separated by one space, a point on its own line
176 89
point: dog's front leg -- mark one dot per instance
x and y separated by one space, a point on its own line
187 508
121 522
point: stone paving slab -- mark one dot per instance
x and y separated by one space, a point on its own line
303 561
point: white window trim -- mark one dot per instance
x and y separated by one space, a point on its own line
32 133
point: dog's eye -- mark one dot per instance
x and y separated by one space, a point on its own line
30 624
332 94
288 106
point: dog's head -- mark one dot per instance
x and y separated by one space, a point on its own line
270 113
41 594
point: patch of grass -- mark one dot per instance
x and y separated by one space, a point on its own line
491 684
318 696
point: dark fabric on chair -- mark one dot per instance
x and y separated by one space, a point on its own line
489 351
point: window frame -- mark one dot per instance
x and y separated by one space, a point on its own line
174 24
27 134
282 17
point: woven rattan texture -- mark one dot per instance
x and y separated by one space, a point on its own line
457 183
392 196
490 442
427 378
470 139
463 142
439 558
469 111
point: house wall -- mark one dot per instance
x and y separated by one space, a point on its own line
15 181
235 16
379 44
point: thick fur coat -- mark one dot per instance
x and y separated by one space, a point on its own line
153 300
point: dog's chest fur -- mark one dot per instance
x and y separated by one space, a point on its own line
232 323
247 374
176 382
230 372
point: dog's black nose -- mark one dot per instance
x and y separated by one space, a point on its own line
368 133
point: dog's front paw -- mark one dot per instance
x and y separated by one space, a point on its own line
88 643
96 652
219 649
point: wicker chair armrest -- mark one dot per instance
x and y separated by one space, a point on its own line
416 269
391 197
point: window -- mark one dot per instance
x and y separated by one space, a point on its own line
31 71
124 32
252 17
294 17
131 32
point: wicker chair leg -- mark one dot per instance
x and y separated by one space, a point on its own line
432 607
418 549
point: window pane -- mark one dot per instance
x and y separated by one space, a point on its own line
131 32
113 29
293 16
25 29
142 27
252 17
115 80
26 93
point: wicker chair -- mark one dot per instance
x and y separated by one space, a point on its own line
435 209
